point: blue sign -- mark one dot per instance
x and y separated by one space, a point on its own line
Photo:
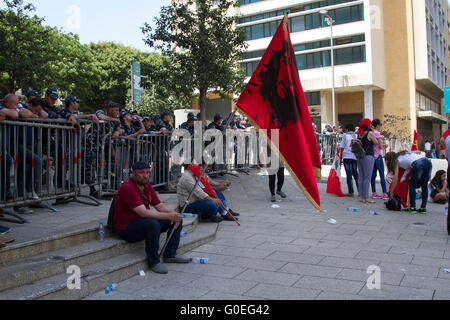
136 82
447 99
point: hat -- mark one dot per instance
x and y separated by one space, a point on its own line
217 117
191 117
146 119
32 93
141 165
123 113
239 116
71 99
52 92
156 118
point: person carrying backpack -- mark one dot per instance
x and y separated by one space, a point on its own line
365 158
350 163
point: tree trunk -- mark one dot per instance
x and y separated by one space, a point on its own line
202 105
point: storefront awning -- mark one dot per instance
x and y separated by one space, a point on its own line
432 116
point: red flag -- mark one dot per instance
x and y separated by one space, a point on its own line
334 179
415 145
274 99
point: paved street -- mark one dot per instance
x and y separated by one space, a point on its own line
292 252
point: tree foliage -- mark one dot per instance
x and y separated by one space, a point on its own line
37 57
203 46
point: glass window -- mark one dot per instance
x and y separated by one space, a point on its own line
273 27
257 31
267 30
344 56
298 24
309 60
316 20
308 22
343 15
317 60
249 33
301 62
326 58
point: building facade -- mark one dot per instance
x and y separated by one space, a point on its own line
391 58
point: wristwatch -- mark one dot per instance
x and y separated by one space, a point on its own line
18 110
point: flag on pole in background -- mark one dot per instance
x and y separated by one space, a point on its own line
334 179
274 99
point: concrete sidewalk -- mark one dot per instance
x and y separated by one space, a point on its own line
292 252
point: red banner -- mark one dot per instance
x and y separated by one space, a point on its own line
274 99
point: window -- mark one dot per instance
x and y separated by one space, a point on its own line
313 98
306 22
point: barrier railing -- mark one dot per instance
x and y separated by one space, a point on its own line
39 161
328 147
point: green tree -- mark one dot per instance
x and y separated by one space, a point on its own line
153 103
23 42
114 63
203 45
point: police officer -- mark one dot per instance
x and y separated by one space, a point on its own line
189 124
163 124
51 96
217 124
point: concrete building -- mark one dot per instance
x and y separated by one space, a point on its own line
391 58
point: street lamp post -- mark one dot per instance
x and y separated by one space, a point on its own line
330 22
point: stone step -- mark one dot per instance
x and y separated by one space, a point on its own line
97 276
75 236
52 263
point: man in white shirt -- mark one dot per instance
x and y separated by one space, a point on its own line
428 149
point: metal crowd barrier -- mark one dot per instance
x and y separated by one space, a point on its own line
118 156
39 161
328 147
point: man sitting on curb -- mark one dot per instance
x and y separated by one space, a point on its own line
134 221
204 200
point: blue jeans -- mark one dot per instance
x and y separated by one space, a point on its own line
220 195
420 176
379 167
150 231
206 209
351 169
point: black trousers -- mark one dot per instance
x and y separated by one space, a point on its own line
272 178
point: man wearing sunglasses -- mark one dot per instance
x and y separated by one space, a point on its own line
135 220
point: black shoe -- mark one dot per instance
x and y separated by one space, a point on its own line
215 219
235 214
228 218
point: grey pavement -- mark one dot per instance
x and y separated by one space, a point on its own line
292 253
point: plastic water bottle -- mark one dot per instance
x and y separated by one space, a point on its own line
183 234
199 260
101 232
353 210
189 215
111 287
374 213
446 208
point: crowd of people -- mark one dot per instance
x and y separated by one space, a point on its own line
22 149
434 149
408 173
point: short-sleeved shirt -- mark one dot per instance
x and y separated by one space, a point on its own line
129 198
377 148
346 144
